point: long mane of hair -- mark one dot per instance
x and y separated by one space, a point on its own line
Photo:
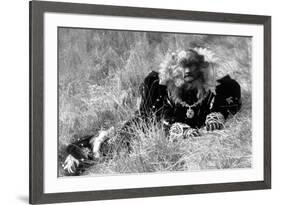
171 74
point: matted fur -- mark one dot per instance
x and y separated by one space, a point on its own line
171 72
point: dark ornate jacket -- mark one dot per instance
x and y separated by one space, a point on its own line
155 100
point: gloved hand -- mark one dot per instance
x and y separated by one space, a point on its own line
214 121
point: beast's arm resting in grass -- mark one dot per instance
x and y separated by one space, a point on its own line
227 101
86 151
80 155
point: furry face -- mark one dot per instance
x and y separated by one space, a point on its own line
183 67
186 70
190 73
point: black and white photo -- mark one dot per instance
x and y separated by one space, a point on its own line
137 102
130 102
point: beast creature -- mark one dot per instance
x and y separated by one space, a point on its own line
183 96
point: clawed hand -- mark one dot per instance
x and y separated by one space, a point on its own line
211 126
214 121
70 164
179 130
191 132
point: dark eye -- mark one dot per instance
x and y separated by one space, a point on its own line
193 67
184 63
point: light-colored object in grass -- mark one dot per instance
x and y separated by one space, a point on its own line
177 130
97 141
180 130
69 164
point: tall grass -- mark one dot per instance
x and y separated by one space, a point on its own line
99 75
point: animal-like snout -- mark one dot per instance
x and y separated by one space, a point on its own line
187 72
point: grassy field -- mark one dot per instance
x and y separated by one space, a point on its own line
99 75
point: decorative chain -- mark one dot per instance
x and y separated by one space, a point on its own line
184 104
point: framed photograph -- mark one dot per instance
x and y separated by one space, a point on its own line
130 102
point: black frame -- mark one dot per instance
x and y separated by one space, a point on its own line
36 182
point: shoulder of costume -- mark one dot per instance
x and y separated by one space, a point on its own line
227 80
153 78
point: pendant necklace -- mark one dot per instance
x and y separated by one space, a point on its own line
190 112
